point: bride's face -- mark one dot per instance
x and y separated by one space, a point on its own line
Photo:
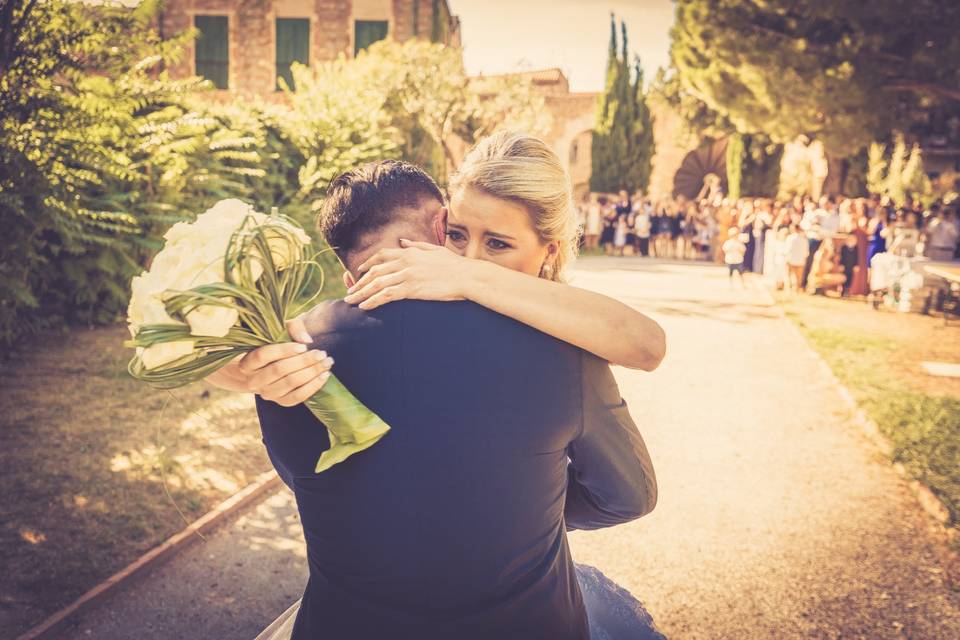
487 228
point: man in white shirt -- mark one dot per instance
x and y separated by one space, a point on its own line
829 219
942 234
819 224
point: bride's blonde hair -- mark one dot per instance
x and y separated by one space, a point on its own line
523 169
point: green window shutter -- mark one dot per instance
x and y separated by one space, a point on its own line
293 45
213 49
366 32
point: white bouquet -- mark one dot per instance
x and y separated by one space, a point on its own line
224 285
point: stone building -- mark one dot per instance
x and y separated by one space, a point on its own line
572 116
244 46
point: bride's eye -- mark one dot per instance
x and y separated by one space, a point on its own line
497 245
455 236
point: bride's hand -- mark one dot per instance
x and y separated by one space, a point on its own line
419 271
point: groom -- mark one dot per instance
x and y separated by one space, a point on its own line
453 526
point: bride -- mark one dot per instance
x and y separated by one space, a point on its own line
510 217
511 206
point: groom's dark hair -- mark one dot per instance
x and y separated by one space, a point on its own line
364 200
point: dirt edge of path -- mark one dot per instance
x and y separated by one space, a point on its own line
264 484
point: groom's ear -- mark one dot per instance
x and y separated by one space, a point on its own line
348 279
440 226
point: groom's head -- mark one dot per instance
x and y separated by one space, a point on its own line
375 205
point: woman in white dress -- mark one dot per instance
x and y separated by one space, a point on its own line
593 224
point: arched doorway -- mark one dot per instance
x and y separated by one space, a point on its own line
709 157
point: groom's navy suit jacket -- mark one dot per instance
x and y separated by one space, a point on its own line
453 525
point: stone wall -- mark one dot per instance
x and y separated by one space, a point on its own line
573 116
673 144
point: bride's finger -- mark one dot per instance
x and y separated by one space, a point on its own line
302 393
416 244
376 271
297 328
268 378
376 285
381 256
390 294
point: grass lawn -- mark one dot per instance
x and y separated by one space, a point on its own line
878 356
98 468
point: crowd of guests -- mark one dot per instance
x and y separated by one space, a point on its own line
822 245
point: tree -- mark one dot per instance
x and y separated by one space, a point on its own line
841 71
699 120
623 144
901 177
735 153
641 146
71 177
416 95
752 158
100 152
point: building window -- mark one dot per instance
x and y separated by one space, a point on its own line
573 152
293 45
416 17
366 32
213 49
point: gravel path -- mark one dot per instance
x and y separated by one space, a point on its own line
229 586
776 517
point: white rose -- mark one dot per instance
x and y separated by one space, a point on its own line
160 354
205 241
146 306
216 223
211 320
282 252
177 232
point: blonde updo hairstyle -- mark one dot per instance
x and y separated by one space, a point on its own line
523 169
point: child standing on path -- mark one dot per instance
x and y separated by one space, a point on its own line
733 252
797 249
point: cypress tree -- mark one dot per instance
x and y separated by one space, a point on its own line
642 145
623 136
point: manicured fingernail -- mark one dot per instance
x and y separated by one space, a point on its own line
404 242
300 348
319 356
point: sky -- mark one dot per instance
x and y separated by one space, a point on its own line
514 35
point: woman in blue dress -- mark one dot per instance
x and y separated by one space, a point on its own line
875 232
